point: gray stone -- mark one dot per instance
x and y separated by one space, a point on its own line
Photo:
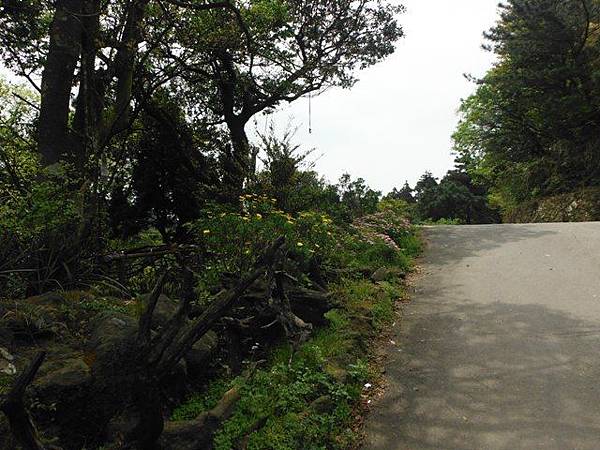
201 352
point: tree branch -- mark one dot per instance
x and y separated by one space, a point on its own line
20 421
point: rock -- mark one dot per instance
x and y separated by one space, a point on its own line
174 386
71 374
310 306
108 330
198 357
386 273
7 366
339 374
51 300
59 397
133 425
164 311
33 318
187 435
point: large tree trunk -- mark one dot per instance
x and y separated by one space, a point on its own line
239 166
87 115
57 80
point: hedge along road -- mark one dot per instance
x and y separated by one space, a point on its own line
500 346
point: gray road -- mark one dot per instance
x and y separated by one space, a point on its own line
500 347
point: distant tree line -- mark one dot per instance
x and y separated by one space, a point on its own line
456 198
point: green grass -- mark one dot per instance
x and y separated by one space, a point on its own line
200 402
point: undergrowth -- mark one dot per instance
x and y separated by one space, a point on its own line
309 400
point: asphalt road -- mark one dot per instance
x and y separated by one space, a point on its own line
500 346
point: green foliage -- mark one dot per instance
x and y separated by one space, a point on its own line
18 162
406 194
43 233
529 130
6 382
458 197
51 204
357 199
310 403
201 402
253 225
316 395
443 222
287 177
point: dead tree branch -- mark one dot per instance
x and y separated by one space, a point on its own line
19 419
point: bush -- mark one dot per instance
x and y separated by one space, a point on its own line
44 236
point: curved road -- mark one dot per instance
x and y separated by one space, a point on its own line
500 346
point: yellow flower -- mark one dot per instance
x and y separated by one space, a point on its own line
300 244
206 231
258 216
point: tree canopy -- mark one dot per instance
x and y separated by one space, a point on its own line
530 128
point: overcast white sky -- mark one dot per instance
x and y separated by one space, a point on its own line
397 121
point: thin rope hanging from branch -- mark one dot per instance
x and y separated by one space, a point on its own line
309 113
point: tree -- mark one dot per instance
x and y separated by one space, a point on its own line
357 198
295 48
405 193
426 184
17 150
455 197
285 175
169 173
531 124
100 48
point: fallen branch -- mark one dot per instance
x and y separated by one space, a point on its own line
19 419
221 303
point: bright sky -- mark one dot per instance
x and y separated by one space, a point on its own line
397 121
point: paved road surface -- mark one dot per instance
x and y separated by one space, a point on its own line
500 347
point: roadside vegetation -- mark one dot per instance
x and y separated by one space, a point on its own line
164 281
529 130
526 145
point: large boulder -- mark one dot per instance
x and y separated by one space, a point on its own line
310 305
59 395
108 331
59 384
200 354
164 311
387 274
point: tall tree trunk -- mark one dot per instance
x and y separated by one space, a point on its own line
87 114
125 61
239 166
57 80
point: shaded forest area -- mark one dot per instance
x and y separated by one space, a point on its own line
165 282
